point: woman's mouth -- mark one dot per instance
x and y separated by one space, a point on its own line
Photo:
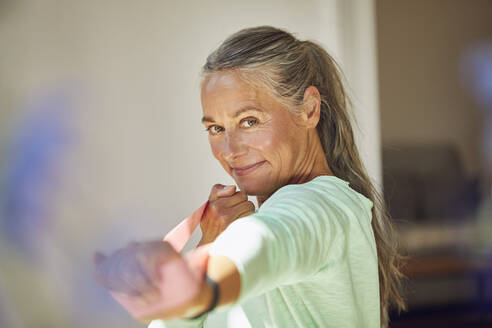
246 169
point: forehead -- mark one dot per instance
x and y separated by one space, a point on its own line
226 92
227 83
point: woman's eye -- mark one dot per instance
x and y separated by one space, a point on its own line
214 129
249 122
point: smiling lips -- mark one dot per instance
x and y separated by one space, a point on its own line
246 169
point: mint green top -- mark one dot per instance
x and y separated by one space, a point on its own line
307 258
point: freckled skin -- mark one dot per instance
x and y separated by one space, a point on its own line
289 145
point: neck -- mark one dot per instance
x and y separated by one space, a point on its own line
313 165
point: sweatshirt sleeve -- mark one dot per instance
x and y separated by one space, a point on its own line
179 323
297 232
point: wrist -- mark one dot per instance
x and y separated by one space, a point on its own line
205 301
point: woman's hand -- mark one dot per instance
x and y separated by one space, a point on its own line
133 270
132 274
225 206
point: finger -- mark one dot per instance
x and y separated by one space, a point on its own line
133 282
107 272
213 192
233 213
219 190
143 276
122 272
156 255
244 209
233 200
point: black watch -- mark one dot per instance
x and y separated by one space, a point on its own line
215 298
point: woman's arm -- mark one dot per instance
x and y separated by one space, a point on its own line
225 206
297 232
288 240
279 244
223 271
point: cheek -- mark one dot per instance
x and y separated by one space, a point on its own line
268 142
280 145
216 148
261 141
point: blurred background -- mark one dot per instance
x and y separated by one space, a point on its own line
435 93
101 141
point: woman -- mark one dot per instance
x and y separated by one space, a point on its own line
316 253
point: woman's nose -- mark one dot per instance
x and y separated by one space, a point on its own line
233 146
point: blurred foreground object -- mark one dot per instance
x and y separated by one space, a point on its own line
150 278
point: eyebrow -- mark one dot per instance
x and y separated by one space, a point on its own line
236 113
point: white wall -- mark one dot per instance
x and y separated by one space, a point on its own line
356 41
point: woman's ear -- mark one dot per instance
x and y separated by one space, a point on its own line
311 107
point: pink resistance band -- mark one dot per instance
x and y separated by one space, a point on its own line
180 279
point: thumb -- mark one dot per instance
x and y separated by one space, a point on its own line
219 190
226 191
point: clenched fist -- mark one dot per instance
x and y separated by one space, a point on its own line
133 270
225 205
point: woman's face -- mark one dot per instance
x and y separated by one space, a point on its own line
253 136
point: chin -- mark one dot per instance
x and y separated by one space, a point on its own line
255 187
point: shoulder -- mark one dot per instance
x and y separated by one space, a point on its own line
323 204
319 194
